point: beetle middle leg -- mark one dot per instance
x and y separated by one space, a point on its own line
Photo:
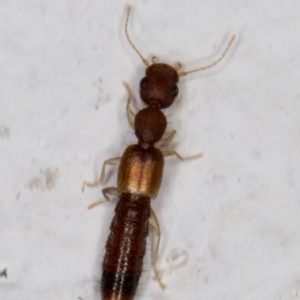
173 152
113 191
110 161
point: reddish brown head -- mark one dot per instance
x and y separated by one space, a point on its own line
159 85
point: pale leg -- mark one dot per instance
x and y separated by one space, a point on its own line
166 139
173 152
130 113
111 161
113 191
154 223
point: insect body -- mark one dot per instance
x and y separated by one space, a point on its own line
139 180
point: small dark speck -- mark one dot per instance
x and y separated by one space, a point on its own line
3 273
239 179
231 135
97 103
4 132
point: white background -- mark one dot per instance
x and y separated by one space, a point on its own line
232 217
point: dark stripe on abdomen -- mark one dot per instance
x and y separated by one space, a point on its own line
116 286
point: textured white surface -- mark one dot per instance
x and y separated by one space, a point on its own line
233 215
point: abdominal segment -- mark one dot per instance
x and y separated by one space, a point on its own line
125 248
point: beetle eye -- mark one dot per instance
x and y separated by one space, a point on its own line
143 82
175 91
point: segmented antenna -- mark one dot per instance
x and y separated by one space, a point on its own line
144 60
212 64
